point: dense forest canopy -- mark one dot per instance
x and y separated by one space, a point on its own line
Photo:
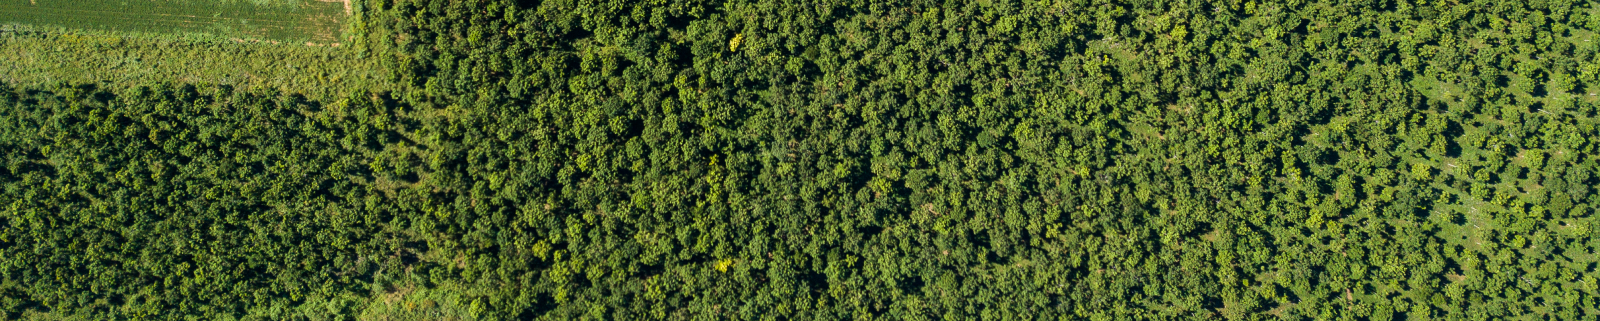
827 159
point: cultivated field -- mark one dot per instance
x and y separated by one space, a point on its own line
312 21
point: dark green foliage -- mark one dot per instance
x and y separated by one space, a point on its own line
897 160
173 201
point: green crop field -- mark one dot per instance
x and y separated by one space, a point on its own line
309 21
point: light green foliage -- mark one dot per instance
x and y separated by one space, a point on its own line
32 55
